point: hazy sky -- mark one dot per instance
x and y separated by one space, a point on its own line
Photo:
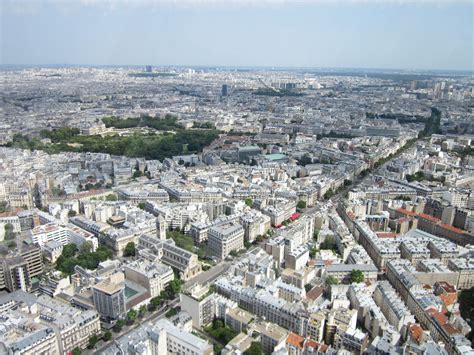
420 34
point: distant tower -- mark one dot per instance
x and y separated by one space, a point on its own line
161 227
148 68
224 90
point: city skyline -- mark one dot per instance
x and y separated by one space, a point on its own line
240 34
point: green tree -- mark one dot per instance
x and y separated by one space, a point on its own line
313 251
329 244
301 204
331 280
111 197
69 250
175 286
155 302
182 240
129 249
107 335
141 205
172 312
92 341
142 311
316 234
86 247
71 213
357 276
118 326
3 206
76 351
329 193
131 316
255 349
12 244
9 233
249 202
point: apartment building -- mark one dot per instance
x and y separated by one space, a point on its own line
225 238
109 297
199 302
50 232
19 267
70 327
392 306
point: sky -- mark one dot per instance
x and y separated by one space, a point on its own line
396 34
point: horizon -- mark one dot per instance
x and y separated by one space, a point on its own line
156 67
352 34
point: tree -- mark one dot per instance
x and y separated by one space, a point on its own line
155 302
132 316
329 193
357 276
301 204
76 351
9 233
111 197
71 213
129 249
329 244
172 312
118 326
86 247
107 335
12 244
3 206
69 250
249 202
175 286
92 341
255 349
313 251
331 280
316 234
141 205
137 174
141 311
